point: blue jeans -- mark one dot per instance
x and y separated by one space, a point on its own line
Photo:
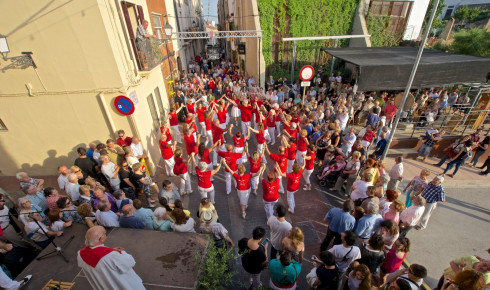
476 157
457 163
424 150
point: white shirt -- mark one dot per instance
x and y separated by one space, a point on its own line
62 181
4 217
338 79
396 171
188 227
339 251
72 189
412 215
349 141
137 149
274 99
35 229
107 218
108 171
57 226
343 118
113 271
279 230
359 190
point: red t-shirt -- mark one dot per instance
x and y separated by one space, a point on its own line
260 137
217 133
207 122
291 151
166 150
124 142
282 160
293 180
190 108
238 142
270 190
257 115
278 115
246 113
188 121
310 164
205 157
180 167
203 178
174 121
296 120
190 144
200 114
302 143
292 133
230 158
242 181
222 116
271 121
211 85
368 136
254 165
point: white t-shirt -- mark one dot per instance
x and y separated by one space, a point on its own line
359 189
343 121
185 228
108 171
137 149
4 217
279 230
342 256
62 181
57 226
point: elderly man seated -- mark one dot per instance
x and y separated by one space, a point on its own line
129 220
24 180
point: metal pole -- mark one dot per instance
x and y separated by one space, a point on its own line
292 63
410 79
333 57
258 52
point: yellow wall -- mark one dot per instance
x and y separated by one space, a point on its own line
80 50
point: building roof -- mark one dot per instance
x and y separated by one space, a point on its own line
388 68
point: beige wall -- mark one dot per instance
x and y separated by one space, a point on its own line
80 49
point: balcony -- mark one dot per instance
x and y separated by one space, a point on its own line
151 53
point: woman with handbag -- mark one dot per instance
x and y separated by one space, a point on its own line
452 150
284 272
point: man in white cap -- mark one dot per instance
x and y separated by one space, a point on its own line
432 193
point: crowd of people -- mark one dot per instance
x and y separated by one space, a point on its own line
222 119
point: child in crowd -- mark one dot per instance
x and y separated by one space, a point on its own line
55 222
337 166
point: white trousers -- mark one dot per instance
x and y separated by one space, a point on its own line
244 128
281 188
243 195
306 175
205 191
254 182
291 202
429 209
175 132
244 157
215 155
269 208
209 138
278 128
272 135
185 181
229 177
260 147
203 129
290 166
299 157
169 166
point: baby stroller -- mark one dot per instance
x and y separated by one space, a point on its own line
330 179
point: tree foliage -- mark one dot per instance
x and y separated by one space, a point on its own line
306 18
464 13
436 22
473 42
381 35
216 270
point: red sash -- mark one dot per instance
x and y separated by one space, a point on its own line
93 256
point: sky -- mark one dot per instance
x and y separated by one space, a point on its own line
210 7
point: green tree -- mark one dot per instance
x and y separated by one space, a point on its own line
473 42
437 22
465 13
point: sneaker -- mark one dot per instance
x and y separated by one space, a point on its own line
451 175
281 192
290 211
419 228
244 214
25 280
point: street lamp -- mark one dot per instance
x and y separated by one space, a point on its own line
168 29
4 47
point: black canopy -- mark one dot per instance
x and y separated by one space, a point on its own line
388 68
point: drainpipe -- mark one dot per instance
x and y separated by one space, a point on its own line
107 114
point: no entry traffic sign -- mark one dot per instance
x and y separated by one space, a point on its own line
124 105
306 73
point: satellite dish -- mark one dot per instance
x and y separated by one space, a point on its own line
408 103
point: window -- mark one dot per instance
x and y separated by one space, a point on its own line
157 25
2 126
449 12
153 111
160 104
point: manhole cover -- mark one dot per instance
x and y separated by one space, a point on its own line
309 232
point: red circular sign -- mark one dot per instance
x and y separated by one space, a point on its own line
306 73
124 105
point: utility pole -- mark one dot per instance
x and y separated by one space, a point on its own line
410 79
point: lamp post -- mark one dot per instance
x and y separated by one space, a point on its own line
4 46
168 32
